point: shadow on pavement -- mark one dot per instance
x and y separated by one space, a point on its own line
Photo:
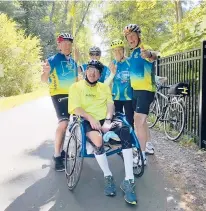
50 193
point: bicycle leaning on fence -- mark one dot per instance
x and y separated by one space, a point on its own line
169 109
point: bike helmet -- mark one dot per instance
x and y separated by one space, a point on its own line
131 28
95 50
117 43
96 64
64 36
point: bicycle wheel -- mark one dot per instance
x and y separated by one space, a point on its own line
174 121
73 159
153 114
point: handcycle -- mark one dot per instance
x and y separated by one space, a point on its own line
76 150
172 112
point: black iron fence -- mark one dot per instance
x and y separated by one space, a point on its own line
190 67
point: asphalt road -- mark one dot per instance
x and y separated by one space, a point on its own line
29 183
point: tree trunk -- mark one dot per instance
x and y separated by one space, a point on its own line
52 12
83 18
179 17
64 20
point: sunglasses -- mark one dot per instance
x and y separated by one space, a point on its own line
95 54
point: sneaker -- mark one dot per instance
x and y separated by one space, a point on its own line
128 186
58 164
149 148
109 186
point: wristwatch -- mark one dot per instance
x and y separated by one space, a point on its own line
108 119
150 55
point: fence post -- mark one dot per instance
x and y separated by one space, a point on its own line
157 70
202 98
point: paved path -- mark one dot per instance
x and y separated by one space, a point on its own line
28 182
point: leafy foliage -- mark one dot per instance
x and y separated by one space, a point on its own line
20 57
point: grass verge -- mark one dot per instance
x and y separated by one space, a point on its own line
13 101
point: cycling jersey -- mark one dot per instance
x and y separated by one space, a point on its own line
62 75
104 74
121 88
92 99
141 72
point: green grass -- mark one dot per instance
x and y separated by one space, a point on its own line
13 101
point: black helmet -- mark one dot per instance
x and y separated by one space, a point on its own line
96 64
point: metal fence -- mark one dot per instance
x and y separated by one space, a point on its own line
188 67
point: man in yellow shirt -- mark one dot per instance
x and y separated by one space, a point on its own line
94 103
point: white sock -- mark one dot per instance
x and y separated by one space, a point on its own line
103 163
57 155
144 156
128 163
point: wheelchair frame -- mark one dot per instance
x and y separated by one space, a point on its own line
83 151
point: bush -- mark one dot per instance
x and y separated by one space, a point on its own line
20 58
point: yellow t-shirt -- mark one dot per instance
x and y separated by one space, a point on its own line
93 100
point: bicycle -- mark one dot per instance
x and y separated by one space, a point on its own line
172 113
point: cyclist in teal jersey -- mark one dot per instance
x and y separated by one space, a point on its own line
120 76
142 81
94 54
60 71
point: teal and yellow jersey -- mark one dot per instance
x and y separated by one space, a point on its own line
121 88
62 75
104 74
142 74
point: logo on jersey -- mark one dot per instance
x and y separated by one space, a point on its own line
123 76
67 67
90 95
136 55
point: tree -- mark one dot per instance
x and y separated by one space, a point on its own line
20 58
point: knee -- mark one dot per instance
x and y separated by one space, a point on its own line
99 147
99 150
140 119
63 126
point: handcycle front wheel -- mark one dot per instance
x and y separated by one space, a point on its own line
138 162
73 158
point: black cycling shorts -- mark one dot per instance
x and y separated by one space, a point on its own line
142 100
61 107
128 110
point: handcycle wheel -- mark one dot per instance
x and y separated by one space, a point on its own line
74 159
138 163
153 114
174 121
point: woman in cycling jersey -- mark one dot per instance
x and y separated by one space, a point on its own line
142 81
94 54
120 79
